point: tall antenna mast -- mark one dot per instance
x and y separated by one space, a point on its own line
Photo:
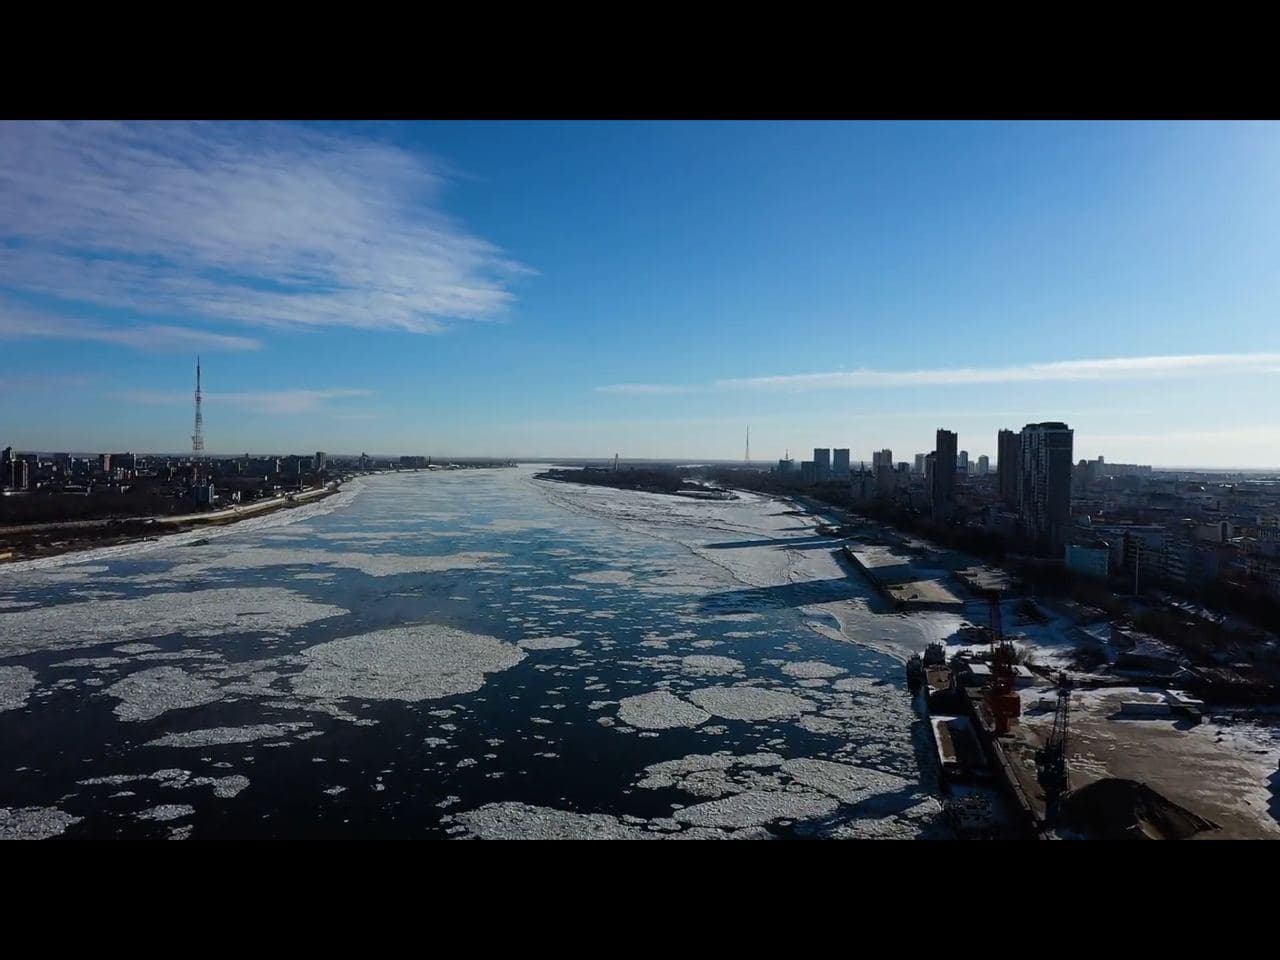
197 438
748 445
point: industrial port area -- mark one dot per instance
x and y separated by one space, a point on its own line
1032 737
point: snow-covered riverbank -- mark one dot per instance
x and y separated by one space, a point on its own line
772 555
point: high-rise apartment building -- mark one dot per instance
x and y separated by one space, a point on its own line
822 463
1008 466
20 478
840 464
1044 504
942 483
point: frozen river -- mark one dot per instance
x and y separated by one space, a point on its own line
474 653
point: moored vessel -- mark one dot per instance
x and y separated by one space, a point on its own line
915 673
935 654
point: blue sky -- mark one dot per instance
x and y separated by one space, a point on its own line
650 289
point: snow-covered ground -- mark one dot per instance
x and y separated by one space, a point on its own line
1223 768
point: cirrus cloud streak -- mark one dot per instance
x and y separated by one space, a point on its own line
265 401
1114 369
264 225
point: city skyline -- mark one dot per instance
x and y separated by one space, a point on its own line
632 288
848 459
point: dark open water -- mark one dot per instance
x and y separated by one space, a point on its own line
371 739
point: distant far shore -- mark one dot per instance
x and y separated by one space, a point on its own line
667 482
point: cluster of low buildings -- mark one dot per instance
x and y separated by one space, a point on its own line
20 472
201 481
1185 530
205 481
199 478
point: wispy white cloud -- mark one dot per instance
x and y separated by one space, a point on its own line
641 389
26 382
258 224
267 401
1115 368
27 325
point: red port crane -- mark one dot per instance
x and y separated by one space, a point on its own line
1002 697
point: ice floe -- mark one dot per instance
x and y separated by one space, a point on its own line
371 564
520 821
847 783
151 693
603 576
166 812
749 703
548 643
707 664
198 613
660 710
423 662
219 735
16 683
812 670
757 807
33 823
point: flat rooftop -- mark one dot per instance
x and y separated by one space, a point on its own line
983 578
883 564
923 593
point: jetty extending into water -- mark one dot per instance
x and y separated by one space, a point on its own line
899 582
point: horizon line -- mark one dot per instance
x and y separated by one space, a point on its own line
589 459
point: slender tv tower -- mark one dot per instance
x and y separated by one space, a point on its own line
197 438
748 457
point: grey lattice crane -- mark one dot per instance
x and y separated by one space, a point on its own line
1051 759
